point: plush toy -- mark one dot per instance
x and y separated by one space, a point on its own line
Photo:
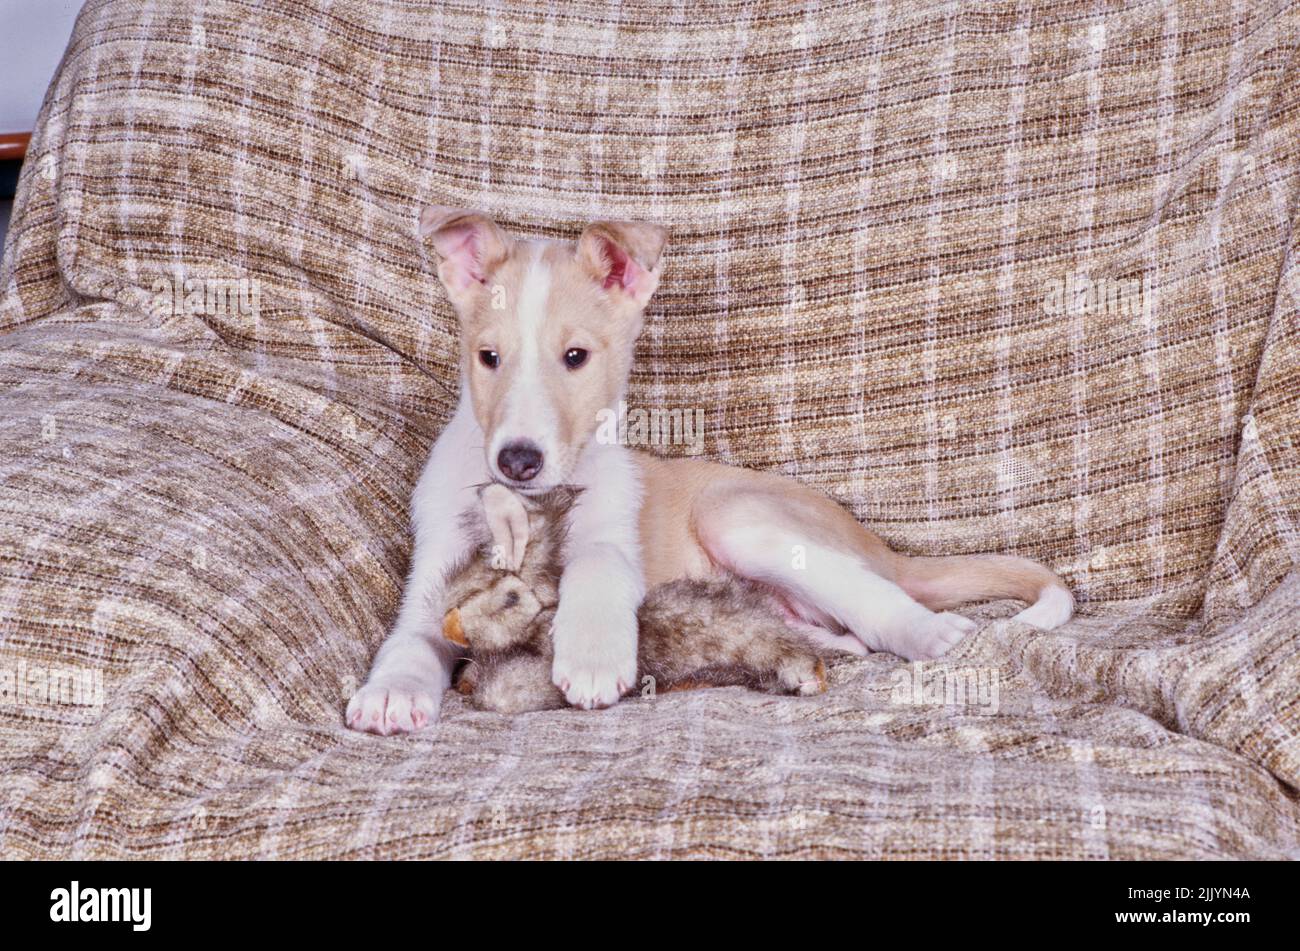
693 633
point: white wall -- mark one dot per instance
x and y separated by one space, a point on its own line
33 35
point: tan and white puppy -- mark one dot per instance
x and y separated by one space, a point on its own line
548 330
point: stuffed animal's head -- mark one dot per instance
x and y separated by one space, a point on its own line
505 598
505 614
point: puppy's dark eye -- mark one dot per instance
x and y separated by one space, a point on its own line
575 357
489 358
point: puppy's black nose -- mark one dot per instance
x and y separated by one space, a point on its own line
520 461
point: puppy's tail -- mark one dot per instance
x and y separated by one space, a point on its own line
945 582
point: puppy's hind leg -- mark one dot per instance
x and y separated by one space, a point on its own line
795 541
826 639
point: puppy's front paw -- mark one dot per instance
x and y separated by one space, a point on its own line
391 705
595 654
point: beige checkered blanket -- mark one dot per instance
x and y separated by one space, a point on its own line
1014 276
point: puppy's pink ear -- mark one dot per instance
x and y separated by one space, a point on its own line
471 247
623 256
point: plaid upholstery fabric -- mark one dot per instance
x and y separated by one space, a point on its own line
1011 276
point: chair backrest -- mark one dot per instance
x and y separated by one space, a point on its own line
996 276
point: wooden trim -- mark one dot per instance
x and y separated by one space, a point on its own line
13 145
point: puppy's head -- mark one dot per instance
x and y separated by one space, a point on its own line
547 332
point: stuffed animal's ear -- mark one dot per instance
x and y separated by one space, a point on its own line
507 519
452 629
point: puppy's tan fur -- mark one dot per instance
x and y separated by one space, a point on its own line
684 496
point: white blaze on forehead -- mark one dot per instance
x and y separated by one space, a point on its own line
528 414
